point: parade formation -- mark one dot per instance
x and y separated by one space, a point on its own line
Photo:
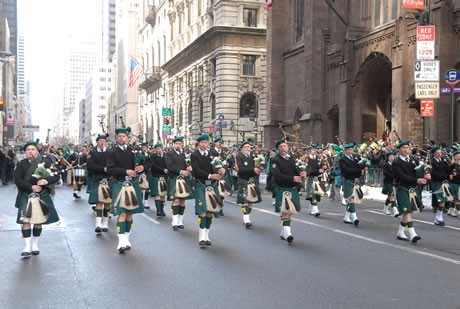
122 178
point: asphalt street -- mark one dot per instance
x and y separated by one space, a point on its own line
329 265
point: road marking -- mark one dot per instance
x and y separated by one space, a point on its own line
375 241
150 219
416 220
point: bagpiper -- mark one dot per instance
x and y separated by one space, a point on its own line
78 161
179 182
125 186
455 184
207 200
288 180
314 189
440 177
406 182
159 174
248 185
99 194
34 204
218 152
388 187
351 172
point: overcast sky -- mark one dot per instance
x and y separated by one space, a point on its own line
46 26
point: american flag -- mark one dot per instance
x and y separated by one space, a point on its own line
269 3
135 71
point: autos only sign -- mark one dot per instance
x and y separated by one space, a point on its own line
425 42
426 70
427 90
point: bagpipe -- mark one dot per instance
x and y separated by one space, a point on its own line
223 188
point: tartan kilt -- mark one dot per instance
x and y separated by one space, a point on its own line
454 188
115 209
172 188
153 184
242 191
388 189
21 204
279 196
438 193
348 188
309 191
200 196
402 196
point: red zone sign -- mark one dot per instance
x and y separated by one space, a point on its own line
425 42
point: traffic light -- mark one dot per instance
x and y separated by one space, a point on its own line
2 103
167 120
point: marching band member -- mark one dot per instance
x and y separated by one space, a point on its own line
159 173
455 184
141 157
288 179
440 177
178 174
388 188
248 185
351 172
217 151
35 206
207 200
407 181
314 170
100 193
78 160
125 187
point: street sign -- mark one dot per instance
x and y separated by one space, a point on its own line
426 108
452 77
166 111
223 124
414 4
447 90
426 70
221 117
425 42
427 90
31 128
166 130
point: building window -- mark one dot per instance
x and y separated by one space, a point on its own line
213 67
190 112
201 109
181 116
249 65
250 17
248 106
212 102
298 21
385 11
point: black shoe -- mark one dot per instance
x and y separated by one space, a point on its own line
122 250
347 222
415 239
146 207
181 227
128 248
202 244
402 238
35 252
175 227
105 230
208 242
356 222
440 223
290 239
26 254
282 237
317 214
93 207
216 215
98 230
248 225
158 214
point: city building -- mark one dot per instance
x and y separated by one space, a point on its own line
204 63
345 69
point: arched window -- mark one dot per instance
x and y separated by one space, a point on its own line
201 109
212 103
181 116
248 106
190 112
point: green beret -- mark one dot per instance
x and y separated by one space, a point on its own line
349 145
145 144
103 136
337 148
403 143
178 139
202 137
158 145
244 143
392 153
315 146
218 139
31 143
279 142
123 131
434 149
455 153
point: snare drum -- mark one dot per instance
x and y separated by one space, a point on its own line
80 172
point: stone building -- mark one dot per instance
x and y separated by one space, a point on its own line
345 68
204 59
